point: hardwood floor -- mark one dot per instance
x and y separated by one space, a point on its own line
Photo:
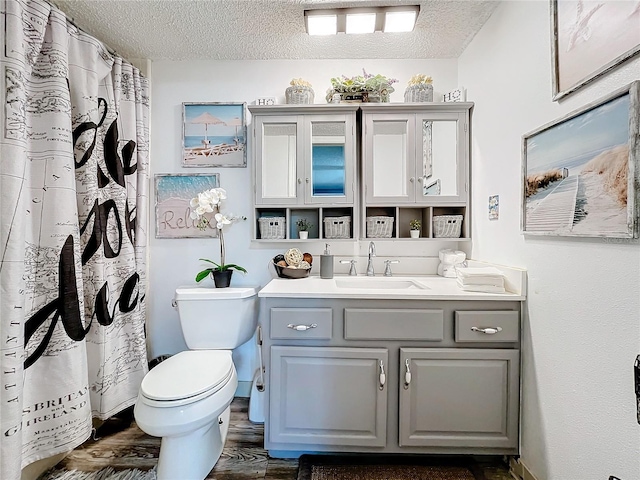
120 444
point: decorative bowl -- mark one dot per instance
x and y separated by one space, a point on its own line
288 272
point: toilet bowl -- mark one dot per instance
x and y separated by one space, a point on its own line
186 399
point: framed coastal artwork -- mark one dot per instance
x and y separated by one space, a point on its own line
589 38
173 194
580 172
214 135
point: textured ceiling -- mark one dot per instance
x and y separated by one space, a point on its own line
267 29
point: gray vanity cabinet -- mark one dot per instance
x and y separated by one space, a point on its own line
391 376
459 397
328 396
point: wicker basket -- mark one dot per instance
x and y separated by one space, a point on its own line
447 226
299 94
337 227
379 227
419 93
272 227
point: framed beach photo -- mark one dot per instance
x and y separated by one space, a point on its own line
214 135
580 172
173 194
589 38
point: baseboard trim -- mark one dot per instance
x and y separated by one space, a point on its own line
244 389
519 470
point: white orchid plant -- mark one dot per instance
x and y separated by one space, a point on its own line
202 206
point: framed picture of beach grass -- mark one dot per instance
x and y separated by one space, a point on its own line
173 212
214 135
589 38
580 172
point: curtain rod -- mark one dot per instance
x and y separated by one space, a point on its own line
72 22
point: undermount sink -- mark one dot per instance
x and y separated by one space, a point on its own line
374 283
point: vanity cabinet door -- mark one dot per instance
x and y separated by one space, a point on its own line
459 398
328 396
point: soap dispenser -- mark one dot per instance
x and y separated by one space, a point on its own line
326 263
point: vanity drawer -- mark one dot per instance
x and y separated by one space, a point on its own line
393 324
301 323
469 323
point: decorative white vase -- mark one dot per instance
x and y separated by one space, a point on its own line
303 235
415 233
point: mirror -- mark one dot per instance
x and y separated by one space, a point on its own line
439 157
279 160
390 158
328 168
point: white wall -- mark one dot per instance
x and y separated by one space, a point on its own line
583 328
174 262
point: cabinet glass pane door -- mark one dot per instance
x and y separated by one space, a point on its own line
389 149
328 170
279 144
439 158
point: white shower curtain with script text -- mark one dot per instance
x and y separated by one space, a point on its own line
74 179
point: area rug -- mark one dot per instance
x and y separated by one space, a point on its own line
104 474
386 467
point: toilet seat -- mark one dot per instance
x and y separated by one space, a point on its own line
187 377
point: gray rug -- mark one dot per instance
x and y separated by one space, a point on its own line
104 474
386 467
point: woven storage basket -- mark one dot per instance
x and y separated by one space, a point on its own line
419 93
272 227
298 95
379 227
337 227
447 226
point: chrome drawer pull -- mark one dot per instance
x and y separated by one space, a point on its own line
383 377
487 330
302 328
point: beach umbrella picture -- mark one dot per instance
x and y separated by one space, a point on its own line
206 119
235 122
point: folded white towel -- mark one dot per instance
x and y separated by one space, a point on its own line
484 280
478 271
482 288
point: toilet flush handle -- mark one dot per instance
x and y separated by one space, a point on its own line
174 304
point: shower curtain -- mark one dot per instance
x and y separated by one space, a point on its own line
73 188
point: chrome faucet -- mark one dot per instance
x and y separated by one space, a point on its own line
372 253
387 267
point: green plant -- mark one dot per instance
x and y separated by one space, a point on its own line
205 203
362 83
415 224
303 225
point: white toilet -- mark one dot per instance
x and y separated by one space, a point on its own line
185 399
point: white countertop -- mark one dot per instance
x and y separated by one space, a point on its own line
428 287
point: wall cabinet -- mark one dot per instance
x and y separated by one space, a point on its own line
391 376
396 161
305 165
415 161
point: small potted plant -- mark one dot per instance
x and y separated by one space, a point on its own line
414 228
303 228
419 89
364 88
299 91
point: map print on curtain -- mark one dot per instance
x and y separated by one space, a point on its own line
74 180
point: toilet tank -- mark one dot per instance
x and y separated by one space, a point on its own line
217 318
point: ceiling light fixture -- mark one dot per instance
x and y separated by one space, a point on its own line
361 20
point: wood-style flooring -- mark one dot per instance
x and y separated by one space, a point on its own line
120 444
